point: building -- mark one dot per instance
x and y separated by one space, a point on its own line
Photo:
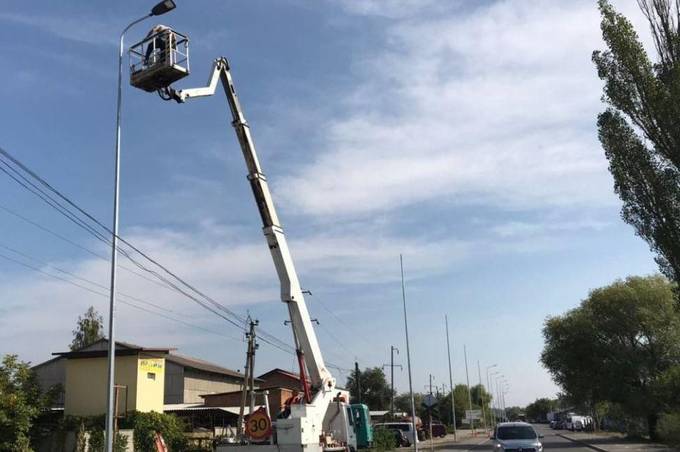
276 397
188 378
183 379
279 378
139 380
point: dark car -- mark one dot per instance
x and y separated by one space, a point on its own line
438 430
400 437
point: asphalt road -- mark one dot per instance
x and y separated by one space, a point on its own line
551 442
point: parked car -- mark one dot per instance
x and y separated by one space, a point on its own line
513 436
400 438
438 430
405 427
575 423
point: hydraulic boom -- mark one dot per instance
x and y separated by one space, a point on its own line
307 422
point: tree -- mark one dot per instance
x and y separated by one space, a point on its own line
539 409
21 401
375 392
88 330
514 413
640 129
402 402
621 345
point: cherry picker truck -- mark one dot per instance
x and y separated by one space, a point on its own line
323 420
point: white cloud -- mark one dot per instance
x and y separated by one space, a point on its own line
234 271
495 107
392 8
80 29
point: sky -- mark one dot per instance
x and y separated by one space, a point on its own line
459 134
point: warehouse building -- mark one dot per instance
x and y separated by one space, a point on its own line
182 379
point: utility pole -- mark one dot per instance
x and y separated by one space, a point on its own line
357 377
429 415
408 358
453 404
248 377
467 377
392 366
481 395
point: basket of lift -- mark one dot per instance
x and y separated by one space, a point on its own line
159 60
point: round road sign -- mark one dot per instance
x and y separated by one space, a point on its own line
258 425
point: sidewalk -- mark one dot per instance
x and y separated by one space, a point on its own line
613 442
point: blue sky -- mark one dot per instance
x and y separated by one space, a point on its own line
460 134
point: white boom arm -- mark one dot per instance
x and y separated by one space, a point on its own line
291 294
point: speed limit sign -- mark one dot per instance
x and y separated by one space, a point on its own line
258 425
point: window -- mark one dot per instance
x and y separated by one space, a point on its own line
516 432
151 375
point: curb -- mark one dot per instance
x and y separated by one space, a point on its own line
599 449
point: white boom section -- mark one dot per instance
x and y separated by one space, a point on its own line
291 294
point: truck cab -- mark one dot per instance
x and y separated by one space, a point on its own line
362 425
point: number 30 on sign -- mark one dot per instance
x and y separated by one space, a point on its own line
258 425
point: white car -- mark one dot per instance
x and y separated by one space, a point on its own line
516 437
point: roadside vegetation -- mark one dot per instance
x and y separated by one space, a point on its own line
617 355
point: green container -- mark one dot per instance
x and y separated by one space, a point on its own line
362 425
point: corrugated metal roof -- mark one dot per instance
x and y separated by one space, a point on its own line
200 364
198 407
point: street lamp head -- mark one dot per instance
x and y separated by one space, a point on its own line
163 7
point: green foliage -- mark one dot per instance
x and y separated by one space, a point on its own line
146 425
21 402
383 439
89 329
640 129
514 413
375 391
669 428
442 411
621 345
97 441
540 408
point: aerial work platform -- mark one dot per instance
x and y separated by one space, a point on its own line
159 60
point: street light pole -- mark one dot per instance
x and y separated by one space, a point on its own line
492 415
467 377
453 403
408 359
392 350
161 8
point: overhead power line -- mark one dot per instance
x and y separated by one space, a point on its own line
25 177
104 295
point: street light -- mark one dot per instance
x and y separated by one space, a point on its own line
492 415
159 9
163 7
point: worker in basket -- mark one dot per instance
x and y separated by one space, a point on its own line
156 48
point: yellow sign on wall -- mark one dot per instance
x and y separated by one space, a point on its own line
151 365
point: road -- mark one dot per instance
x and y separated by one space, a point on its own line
551 442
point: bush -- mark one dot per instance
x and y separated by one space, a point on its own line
669 428
383 439
96 441
146 425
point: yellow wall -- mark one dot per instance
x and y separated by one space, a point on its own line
150 392
86 378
